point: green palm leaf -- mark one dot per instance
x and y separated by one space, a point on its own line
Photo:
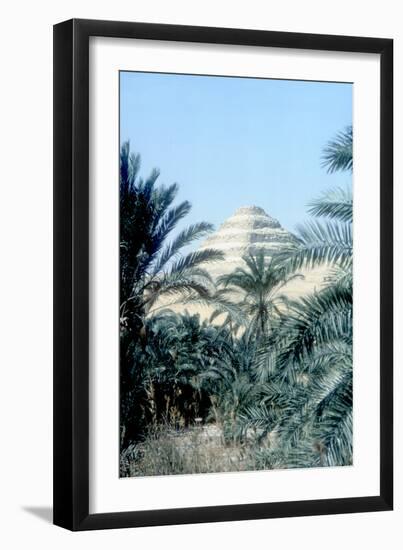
185 237
335 204
338 154
320 243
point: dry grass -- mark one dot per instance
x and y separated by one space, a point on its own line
196 450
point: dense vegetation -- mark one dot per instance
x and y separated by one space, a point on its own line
266 382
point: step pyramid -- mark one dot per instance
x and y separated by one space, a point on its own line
249 230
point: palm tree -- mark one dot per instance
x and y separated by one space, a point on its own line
180 350
150 266
308 401
230 384
258 285
315 360
316 344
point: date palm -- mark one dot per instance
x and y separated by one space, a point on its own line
180 350
316 341
308 401
257 285
315 362
152 266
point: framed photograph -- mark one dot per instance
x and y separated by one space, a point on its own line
218 354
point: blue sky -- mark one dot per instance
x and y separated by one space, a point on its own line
231 142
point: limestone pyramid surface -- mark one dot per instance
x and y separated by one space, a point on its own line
249 230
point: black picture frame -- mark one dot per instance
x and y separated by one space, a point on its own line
71 274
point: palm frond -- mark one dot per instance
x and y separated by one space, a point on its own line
337 436
194 259
163 198
223 306
334 204
258 417
167 223
321 243
338 154
317 319
185 237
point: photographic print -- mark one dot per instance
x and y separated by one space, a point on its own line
236 287
206 363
